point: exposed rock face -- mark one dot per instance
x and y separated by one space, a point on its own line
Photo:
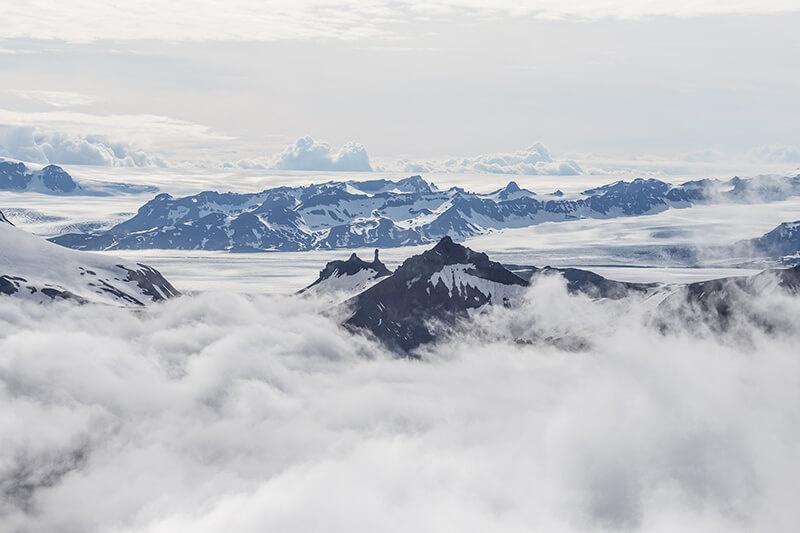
781 241
441 284
3 219
15 176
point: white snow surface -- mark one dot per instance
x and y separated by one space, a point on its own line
44 264
341 285
456 279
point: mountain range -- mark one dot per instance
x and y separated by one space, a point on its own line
385 213
431 293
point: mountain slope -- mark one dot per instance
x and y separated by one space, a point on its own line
37 270
721 305
348 277
441 284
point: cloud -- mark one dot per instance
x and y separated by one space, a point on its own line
776 153
309 154
535 160
26 144
54 98
252 20
260 414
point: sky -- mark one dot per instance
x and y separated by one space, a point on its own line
358 85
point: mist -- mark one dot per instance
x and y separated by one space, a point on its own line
259 413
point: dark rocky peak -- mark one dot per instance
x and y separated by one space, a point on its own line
57 179
13 175
781 241
415 184
3 219
431 290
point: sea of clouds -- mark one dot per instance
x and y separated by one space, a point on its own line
225 412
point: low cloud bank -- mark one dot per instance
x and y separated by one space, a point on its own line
309 154
219 411
534 160
30 145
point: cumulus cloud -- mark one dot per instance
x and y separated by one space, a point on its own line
309 154
219 411
27 144
532 161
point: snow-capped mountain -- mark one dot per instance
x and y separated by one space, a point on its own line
19 177
387 213
441 284
783 241
40 271
348 277
16 176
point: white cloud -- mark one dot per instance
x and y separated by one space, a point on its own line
535 160
309 154
776 153
86 137
26 144
260 414
252 20
54 98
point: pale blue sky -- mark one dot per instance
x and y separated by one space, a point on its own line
417 81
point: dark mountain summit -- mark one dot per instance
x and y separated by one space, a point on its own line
15 176
4 219
439 285
782 241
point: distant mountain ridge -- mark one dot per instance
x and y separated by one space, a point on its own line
385 213
16 176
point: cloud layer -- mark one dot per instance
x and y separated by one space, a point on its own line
258 414
309 154
251 20
27 144
534 160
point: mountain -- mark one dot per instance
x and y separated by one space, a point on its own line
387 213
781 242
432 292
585 282
348 277
16 176
722 305
40 271
52 179
441 284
